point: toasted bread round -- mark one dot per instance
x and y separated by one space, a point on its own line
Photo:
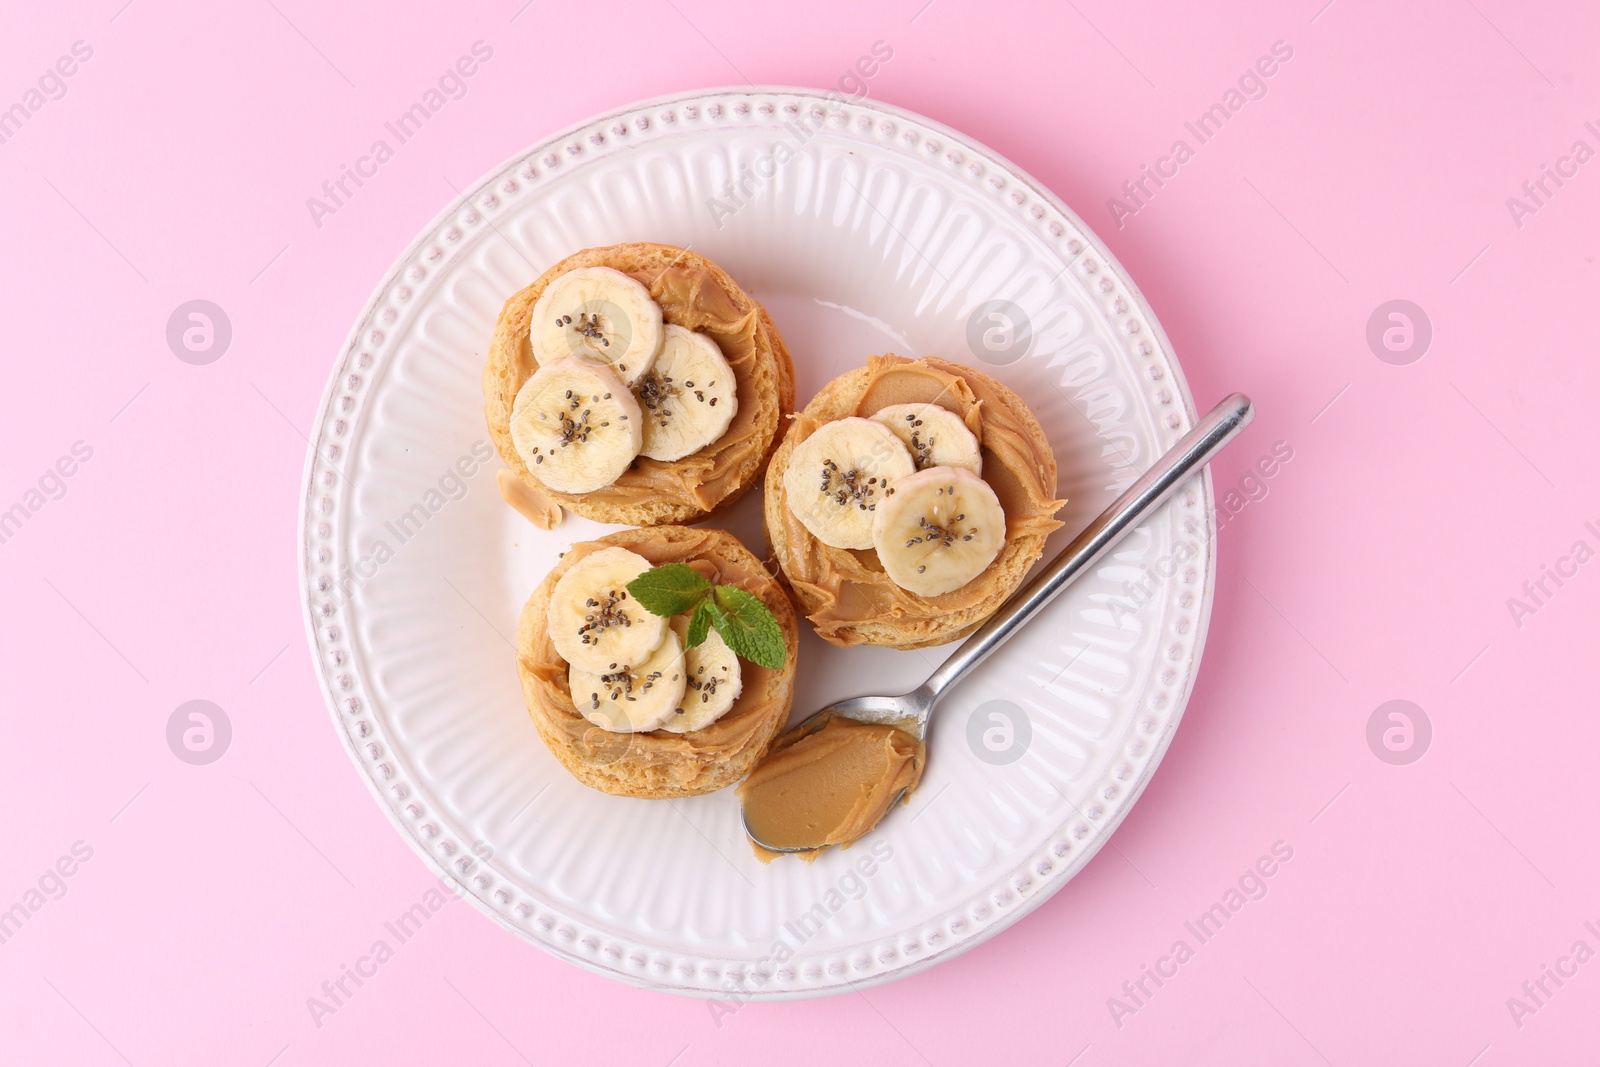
661 764
699 295
845 593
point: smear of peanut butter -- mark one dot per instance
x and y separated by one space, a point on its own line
528 501
828 785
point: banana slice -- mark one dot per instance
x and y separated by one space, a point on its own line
939 529
630 700
935 435
711 672
689 395
576 426
839 475
600 315
594 622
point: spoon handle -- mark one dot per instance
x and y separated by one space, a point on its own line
1149 492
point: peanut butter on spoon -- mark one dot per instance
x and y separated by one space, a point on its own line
827 782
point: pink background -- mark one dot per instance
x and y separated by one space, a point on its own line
1377 567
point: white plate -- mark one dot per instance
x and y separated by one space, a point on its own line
869 229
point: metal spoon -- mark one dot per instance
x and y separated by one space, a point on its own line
911 711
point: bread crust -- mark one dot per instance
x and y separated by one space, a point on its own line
769 390
917 629
655 765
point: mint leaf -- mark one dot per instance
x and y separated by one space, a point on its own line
699 624
747 626
670 589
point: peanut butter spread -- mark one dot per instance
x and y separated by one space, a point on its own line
691 297
843 586
659 754
828 785
528 501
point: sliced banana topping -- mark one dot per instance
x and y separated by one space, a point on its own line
600 315
689 395
713 682
940 529
936 436
593 620
838 476
576 426
628 700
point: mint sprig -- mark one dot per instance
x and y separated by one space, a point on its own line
740 617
